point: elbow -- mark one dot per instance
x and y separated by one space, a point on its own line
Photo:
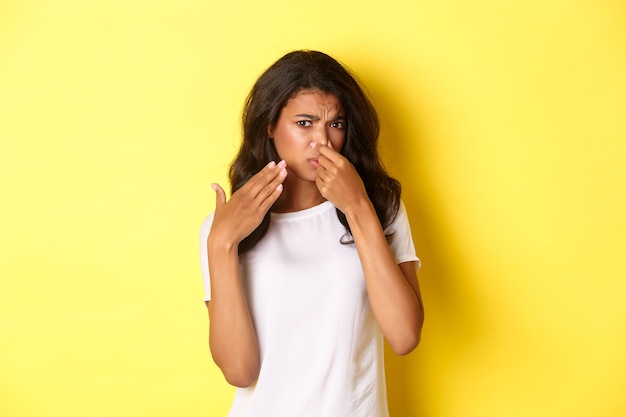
405 341
240 379
240 373
240 367
405 344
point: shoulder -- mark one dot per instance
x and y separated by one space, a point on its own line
401 242
400 220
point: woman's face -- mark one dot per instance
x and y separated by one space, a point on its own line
310 117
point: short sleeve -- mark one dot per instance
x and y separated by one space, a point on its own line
401 243
205 229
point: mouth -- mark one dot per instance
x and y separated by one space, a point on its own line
314 162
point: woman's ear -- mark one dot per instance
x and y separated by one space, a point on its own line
270 132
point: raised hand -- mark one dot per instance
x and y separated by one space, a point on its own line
337 179
238 217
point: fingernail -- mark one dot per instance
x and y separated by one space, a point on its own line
271 164
214 187
283 172
279 187
282 164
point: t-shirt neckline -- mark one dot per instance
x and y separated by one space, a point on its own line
302 213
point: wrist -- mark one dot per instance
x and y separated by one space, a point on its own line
361 209
219 244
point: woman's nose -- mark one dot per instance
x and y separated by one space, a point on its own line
320 137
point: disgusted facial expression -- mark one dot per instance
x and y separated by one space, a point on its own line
310 119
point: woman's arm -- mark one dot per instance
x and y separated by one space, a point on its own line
392 289
232 337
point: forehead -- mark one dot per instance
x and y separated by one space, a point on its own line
314 100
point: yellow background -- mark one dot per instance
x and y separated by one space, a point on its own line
504 120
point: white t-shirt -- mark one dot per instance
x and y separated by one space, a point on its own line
321 347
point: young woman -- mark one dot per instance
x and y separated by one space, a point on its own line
310 263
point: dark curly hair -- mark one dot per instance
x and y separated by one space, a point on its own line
313 70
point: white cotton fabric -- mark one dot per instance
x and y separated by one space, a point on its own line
321 348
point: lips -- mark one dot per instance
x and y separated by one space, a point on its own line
314 162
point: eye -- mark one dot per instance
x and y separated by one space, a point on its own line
304 123
338 125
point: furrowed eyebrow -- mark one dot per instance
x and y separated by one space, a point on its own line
307 116
311 117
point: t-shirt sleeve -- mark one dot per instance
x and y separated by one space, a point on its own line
401 243
204 256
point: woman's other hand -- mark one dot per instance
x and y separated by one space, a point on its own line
236 218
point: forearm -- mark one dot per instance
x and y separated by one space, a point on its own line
395 301
232 338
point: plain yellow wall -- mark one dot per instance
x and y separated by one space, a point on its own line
504 120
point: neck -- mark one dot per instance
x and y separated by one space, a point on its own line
296 197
